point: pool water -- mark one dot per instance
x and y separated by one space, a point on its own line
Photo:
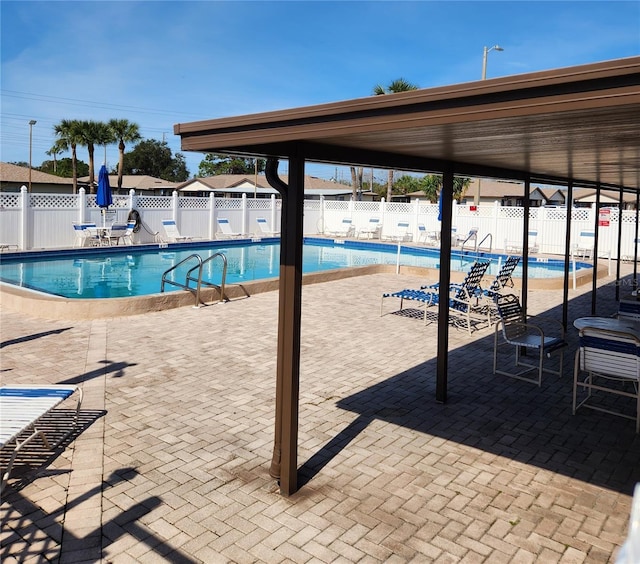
139 272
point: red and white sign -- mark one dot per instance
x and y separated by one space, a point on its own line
604 217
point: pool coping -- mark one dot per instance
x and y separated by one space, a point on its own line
40 304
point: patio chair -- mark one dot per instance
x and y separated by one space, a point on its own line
21 409
372 230
345 229
113 235
86 235
7 247
629 309
529 333
611 361
264 228
127 237
427 237
172 234
585 244
225 229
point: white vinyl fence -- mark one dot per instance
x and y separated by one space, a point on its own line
45 221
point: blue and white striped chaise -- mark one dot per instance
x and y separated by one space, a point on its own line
22 406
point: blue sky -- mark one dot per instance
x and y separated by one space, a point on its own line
158 63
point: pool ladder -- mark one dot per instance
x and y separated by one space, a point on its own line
473 237
190 278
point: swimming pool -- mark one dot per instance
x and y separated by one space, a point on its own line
136 271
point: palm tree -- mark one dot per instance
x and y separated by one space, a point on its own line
55 150
123 132
398 85
68 133
94 133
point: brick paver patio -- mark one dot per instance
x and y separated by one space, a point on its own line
172 462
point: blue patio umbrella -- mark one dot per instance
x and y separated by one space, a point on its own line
103 197
440 206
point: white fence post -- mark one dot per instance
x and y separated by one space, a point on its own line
416 213
24 217
322 211
245 213
174 206
273 214
82 205
212 215
132 200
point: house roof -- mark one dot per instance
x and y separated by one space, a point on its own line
137 182
20 174
577 123
239 183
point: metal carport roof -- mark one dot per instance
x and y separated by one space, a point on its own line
576 125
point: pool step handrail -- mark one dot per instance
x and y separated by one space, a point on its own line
200 282
184 286
472 236
199 267
487 236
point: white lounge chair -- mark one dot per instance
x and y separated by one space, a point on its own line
428 237
372 230
517 246
345 229
225 229
172 233
402 233
22 407
264 228
585 245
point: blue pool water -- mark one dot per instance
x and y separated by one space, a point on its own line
111 273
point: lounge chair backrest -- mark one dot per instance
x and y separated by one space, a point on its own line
586 240
503 278
471 283
171 228
225 226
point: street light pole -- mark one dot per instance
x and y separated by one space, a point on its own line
31 124
484 76
484 58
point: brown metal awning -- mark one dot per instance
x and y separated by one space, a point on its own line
576 125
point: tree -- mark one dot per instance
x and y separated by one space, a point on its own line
154 158
68 133
64 167
123 131
94 133
55 150
398 85
214 163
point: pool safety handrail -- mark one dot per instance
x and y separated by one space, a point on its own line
199 280
472 236
184 286
487 236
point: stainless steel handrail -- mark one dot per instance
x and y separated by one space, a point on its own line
211 284
487 236
184 286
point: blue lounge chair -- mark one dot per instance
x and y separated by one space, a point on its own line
464 298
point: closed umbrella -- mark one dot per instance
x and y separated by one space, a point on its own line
440 206
103 197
